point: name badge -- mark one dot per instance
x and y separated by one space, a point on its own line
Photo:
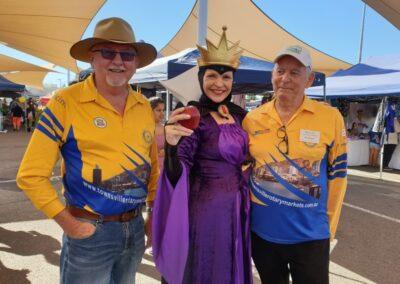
310 136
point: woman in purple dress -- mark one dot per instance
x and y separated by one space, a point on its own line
200 222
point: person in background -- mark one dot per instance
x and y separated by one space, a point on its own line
360 120
104 132
30 114
4 107
374 147
374 140
17 115
299 179
353 131
158 107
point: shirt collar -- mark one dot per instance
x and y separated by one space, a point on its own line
269 108
90 93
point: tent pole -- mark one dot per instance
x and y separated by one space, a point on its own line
362 35
202 28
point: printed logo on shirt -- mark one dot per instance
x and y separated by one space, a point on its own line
60 100
100 122
148 138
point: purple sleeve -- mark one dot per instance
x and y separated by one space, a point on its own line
188 147
170 227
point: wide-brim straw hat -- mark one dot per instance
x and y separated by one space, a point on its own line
114 30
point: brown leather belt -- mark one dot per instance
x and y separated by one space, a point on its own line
124 217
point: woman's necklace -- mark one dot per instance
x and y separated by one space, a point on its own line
223 111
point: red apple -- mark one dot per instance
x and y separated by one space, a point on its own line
194 119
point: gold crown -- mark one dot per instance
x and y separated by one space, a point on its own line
221 55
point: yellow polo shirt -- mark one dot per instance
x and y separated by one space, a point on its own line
297 196
109 163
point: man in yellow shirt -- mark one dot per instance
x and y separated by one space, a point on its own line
299 179
104 132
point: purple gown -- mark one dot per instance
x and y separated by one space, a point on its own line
201 227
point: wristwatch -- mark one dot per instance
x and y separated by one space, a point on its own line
149 210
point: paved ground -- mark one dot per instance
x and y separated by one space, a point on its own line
367 251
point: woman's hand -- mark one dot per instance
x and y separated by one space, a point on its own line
173 130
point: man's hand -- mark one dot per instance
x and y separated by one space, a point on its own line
74 228
147 229
82 231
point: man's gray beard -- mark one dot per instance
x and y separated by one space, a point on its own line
113 83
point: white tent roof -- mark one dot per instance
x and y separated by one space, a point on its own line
184 87
158 70
259 36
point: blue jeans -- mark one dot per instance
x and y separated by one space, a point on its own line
111 255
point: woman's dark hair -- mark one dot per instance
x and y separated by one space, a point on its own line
155 101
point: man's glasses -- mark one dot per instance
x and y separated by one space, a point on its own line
110 54
283 145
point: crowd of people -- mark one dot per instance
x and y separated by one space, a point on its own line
267 185
17 114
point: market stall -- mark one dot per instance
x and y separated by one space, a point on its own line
356 90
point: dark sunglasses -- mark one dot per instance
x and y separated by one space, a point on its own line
283 145
110 54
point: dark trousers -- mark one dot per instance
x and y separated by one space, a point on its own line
307 263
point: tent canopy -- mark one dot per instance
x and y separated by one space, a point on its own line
385 61
46 28
178 74
257 23
158 70
362 70
361 80
389 9
251 71
6 85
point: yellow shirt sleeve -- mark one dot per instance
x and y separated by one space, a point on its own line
154 174
41 155
337 174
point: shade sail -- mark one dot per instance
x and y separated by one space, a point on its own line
389 9
6 85
255 33
46 28
29 78
10 64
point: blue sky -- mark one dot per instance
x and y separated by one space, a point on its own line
332 26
